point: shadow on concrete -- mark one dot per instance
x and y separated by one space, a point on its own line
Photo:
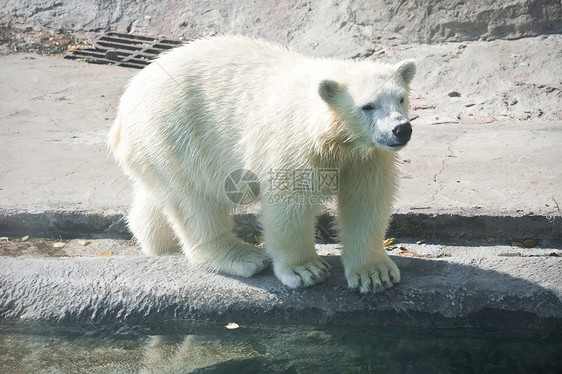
430 227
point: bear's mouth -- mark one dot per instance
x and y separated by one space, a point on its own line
392 146
397 145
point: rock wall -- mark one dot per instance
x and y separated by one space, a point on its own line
343 27
488 80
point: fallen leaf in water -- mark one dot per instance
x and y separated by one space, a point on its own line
59 244
105 253
232 326
529 243
491 240
420 241
25 238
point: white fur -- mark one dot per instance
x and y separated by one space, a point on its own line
221 104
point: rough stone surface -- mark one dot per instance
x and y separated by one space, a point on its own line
449 291
348 26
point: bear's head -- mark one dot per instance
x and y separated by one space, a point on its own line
370 101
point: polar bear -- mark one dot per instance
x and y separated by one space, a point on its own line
233 104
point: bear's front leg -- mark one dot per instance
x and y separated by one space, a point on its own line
288 231
364 202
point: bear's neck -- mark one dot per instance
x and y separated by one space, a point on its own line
334 146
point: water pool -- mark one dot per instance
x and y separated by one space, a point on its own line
211 348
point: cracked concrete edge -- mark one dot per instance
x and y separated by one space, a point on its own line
415 225
434 293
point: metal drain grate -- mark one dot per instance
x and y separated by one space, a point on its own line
128 50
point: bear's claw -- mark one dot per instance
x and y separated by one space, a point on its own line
304 275
375 278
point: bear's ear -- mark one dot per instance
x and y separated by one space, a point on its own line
407 70
328 90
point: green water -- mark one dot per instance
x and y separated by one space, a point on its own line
204 348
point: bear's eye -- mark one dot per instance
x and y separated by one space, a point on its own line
402 100
368 107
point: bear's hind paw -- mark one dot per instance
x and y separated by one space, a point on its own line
242 260
249 262
304 275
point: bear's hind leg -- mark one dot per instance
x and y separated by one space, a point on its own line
149 225
204 228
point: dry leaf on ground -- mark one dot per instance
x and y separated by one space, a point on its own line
406 254
389 241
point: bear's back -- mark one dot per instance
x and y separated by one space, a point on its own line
226 54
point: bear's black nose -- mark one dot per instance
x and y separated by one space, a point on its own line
403 132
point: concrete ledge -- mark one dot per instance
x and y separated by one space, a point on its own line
493 292
434 226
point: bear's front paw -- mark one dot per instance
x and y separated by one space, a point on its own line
377 275
303 275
